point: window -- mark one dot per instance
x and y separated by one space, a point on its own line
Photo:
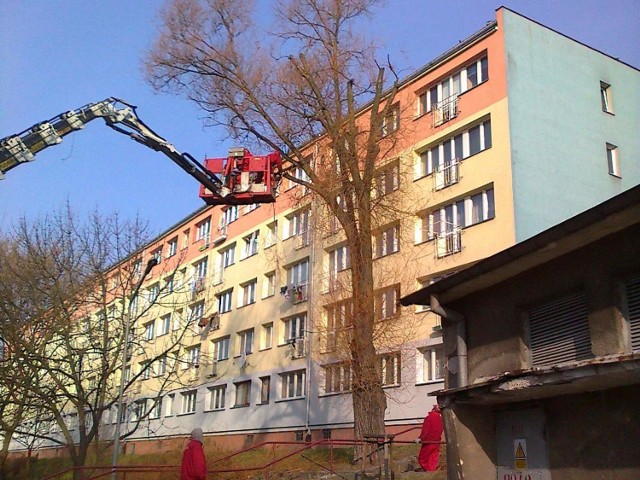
272 234
387 241
265 390
606 97
191 357
293 384
228 255
156 408
153 293
613 161
177 319
337 378
446 155
390 368
391 121
221 349
339 318
203 229
266 339
297 225
196 312
138 410
250 208
298 274
137 268
339 259
243 393
157 254
431 364
225 300
245 342
299 174
168 285
250 244
148 330
185 238
188 402
217 396
247 293
165 324
145 370
387 179
230 214
386 302
161 367
269 285
448 219
200 268
293 327
447 91
173 247
559 331
168 409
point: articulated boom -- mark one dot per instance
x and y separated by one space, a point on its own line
241 178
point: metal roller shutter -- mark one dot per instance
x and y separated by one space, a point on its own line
633 309
559 331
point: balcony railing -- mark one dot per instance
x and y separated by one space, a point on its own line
448 243
446 175
445 110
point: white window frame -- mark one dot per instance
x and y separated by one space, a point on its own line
269 285
251 243
386 302
391 360
272 234
430 366
294 327
606 97
225 301
245 342
613 160
165 324
387 241
247 293
337 378
243 393
221 348
149 331
293 384
188 403
228 256
266 337
217 397
172 247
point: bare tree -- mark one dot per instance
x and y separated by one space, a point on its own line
311 88
65 297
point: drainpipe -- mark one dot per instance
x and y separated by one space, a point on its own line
309 330
458 365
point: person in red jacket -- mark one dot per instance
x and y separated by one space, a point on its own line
430 437
194 466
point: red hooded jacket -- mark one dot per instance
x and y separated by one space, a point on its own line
431 432
194 466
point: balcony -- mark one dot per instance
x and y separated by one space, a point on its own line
448 243
445 110
446 175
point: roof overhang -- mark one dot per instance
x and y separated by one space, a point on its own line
602 373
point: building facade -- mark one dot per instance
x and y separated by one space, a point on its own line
514 129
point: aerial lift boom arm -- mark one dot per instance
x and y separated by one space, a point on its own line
218 186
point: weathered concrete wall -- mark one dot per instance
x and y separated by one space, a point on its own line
595 435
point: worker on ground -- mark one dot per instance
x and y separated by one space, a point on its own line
430 437
194 466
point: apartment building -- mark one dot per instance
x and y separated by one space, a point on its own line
509 132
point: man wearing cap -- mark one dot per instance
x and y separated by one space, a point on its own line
194 466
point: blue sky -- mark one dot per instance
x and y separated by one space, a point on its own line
59 55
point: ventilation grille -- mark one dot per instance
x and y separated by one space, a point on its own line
560 331
633 307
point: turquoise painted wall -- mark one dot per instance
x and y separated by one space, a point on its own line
558 131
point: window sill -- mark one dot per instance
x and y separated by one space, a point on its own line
334 394
214 410
244 405
185 414
292 399
430 382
